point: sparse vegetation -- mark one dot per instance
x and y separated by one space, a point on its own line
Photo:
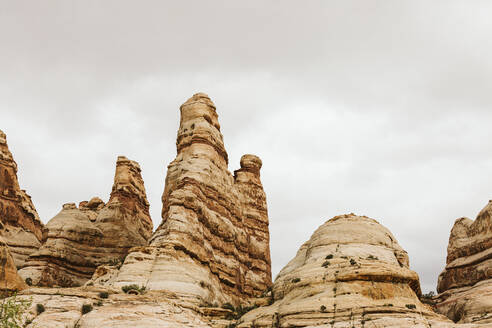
430 294
86 308
296 280
133 289
329 257
322 308
410 306
39 308
228 306
353 262
29 281
239 311
103 294
99 303
11 311
372 257
325 264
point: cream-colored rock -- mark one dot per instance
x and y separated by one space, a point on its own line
213 242
80 239
351 273
10 281
20 225
63 309
465 284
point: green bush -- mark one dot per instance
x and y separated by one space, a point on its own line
228 306
329 257
322 308
11 311
86 308
29 281
325 264
352 262
296 280
410 306
103 294
138 289
40 308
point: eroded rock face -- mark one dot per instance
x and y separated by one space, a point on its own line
82 238
351 273
20 226
213 242
10 281
466 282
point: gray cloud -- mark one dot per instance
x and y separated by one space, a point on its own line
380 108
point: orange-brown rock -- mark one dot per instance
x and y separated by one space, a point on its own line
20 226
80 239
466 282
10 281
351 273
213 242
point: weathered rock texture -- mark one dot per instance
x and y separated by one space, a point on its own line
80 239
466 282
152 310
10 281
213 242
20 225
351 273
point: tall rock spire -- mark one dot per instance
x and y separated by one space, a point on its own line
213 242
20 226
80 239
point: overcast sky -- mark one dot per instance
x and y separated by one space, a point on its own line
381 108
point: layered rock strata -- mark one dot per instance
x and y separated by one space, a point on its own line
351 273
94 233
213 242
20 226
465 285
10 281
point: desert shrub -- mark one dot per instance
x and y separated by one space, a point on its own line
372 257
12 310
103 294
29 281
325 264
128 288
296 280
329 257
410 306
99 303
228 306
86 308
430 294
322 308
352 262
40 308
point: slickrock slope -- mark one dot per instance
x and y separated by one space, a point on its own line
351 273
213 242
20 225
63 309
466 282
9 279
80 239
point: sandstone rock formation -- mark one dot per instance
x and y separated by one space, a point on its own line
10 281
20 226
80 239
63 309
466 282
213 242
351 273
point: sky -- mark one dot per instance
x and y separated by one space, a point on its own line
380 108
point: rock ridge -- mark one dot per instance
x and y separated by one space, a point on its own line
20 226
82 238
